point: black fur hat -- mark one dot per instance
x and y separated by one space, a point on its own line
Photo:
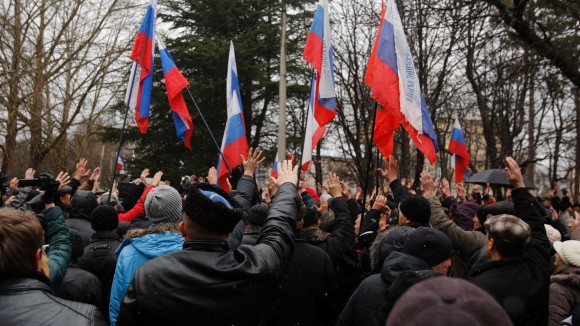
207 206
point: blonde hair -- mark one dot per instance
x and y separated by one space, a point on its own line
21 235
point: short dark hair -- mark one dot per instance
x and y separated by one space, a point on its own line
509 233
20 236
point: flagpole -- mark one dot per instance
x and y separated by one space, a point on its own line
282 88
304 126
209 130
369 146
122 133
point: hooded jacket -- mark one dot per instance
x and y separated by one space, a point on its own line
207 284
564 293
83 204
140 246
367 305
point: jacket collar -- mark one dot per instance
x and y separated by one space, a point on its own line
206 245
32 281
105 235
492 264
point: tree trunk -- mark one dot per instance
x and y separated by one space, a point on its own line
13 97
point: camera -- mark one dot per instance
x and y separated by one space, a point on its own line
43 181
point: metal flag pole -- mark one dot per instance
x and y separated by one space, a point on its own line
209 130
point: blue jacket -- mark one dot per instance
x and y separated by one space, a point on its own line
140 246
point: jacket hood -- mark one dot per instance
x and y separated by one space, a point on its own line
398 262
568 276
154 242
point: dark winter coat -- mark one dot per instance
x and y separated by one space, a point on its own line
207 284
339 245
100 259
310 281
521 285
81 286
368 305
564 293
29 301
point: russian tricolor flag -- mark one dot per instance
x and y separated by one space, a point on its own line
458 147
234 142
138 96
395 86
120 161
314 131
318 52
175 83
274 172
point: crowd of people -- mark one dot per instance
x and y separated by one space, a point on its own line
294 255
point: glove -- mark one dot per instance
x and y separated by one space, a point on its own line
51 188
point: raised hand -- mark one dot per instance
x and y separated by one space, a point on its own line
513 173
427 185
345 191
323 206
29 174
81 170
380 203
460 190
144 175
212 176
63 178
391 169
14 184
96 175
157 178
445 188
253 161
333 185
285 173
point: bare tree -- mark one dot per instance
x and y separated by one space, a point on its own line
59 68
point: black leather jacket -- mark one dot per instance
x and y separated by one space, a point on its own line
206 284
29 301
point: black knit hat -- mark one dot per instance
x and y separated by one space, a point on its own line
258 214
416 209
310 217
104 218
210 211
429 244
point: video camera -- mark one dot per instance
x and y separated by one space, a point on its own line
43 181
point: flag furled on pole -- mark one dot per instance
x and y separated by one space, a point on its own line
175 83
314 131
458 147
138 96
120 161
318 52
234 141
274 172
395 86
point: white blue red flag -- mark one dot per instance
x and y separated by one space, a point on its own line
234 141
138 96
120 161
274 172
318 52
395 86
458 147
175 83
314 131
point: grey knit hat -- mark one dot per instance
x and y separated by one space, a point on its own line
163 205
